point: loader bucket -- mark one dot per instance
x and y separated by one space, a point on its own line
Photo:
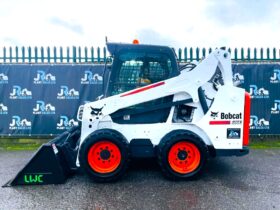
52 163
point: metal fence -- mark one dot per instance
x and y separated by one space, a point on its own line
98 55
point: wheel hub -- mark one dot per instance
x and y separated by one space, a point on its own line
182 155
105 154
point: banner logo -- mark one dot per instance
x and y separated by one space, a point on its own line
238 79
18 124
90 78
275 77
258 93
19 93
233 133
276 107
4 79
42 108
257 124
65 93
65 123
3 109
43 78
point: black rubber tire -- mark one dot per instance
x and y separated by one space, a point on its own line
165 145
114 137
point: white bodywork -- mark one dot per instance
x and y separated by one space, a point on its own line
212 128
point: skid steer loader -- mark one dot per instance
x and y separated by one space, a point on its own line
152 107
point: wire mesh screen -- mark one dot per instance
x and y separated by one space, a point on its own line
137 70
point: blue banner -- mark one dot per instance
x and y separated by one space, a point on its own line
262 81
43 99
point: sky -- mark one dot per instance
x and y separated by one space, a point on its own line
176 23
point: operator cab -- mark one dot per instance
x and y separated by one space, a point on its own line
136 65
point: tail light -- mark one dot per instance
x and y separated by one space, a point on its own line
246 122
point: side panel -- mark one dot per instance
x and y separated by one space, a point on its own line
224 120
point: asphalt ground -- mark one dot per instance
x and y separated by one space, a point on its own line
249 182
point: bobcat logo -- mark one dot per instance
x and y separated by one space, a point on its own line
96 111
214 115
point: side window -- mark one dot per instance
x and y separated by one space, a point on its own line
128 76
137 69
129 72
159 70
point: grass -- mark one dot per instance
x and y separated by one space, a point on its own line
21 144
269 144
33 144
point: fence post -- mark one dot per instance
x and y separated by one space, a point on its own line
17 54
61 54
248 54
242 54
74 54
255 54
197 54
104 54
54 54
185 54
210 50
42 55
29 54
79 54
86 54
179 54
68 55
92 54
36 54
11 55
98 55
274 54
235 54
191 54
49 54
4 54
261 53
203 53
23 54
268 53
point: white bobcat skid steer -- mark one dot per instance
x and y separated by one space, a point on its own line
181 120
152 108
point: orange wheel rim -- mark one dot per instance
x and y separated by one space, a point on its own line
104 157
184 157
